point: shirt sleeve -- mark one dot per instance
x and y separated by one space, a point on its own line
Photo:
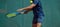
35 1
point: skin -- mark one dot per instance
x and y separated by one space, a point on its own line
29 8
36 25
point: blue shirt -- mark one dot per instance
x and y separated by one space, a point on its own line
37 10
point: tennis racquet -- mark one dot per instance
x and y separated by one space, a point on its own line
10 15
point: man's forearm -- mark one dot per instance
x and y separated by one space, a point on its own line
29 7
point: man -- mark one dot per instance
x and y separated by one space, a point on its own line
37 11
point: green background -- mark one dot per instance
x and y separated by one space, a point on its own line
51 10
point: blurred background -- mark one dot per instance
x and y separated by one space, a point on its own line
51 10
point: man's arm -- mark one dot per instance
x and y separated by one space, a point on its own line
28 8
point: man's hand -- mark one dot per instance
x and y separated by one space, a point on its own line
19 10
